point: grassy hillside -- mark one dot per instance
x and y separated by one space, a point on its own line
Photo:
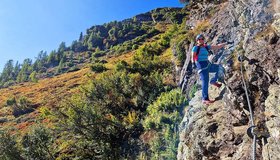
49 92
117 104
112 38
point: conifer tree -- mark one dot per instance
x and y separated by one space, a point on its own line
16 70
61 63
41 60
33 77
81 37
52 61
94 41
25 71
7 73
62 47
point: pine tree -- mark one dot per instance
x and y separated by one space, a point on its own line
41 60
62 47
16 70
77 46
25 71
61 64
94 41
81 37
52 61
7 73
33 77
71 58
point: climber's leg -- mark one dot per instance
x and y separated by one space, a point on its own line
217 69
204 77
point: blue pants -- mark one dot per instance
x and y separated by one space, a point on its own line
204 76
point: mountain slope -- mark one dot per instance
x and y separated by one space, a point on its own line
111 38
122 102
95 110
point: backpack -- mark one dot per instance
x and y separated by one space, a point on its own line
207 48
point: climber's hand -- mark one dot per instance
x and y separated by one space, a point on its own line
228 42
193 66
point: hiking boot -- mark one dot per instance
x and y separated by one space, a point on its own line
207 101
216 84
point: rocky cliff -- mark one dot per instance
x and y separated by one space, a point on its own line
219 131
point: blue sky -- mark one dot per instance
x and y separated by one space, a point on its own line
29 26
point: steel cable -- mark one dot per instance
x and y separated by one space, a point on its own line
250 110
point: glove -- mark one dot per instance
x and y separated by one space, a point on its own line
211 52
193 66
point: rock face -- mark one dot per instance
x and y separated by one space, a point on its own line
276 23
272 103
214 132
219 130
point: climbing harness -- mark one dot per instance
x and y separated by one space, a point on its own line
186 75
250 130
209 53
202 69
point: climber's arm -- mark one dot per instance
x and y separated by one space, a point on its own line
194 54
218 46
192 57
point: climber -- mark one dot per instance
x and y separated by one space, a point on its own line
200 61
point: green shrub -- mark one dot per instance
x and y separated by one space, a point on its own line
98 54
135 46
73 69
33 77
8 147
193 90
11 101
163 116
180 50
20 106
37 144
98 67
8 83
122 65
